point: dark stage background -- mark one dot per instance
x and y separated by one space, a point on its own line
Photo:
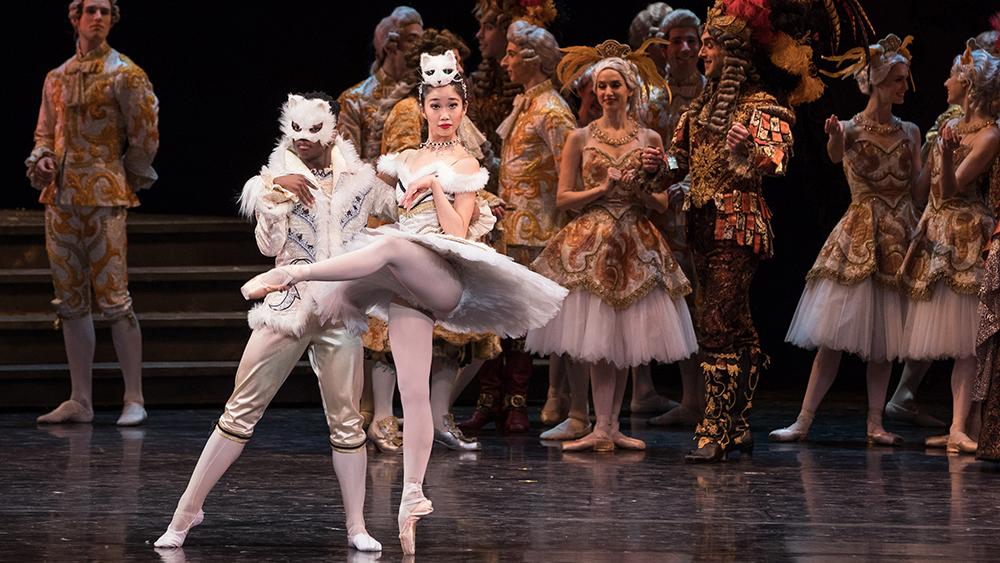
222 68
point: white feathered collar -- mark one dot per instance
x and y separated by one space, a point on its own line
451 181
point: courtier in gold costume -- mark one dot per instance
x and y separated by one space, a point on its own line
394 35
681 29
492 90
404 129
360 123
312 198
987 388
94 146
852 301
533 136
626 305
943 269
730 137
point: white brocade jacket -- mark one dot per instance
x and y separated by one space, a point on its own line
295 234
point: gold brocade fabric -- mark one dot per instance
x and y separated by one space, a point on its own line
951 235
358 105
403 127
735 187
611 249
529 169
661 114
872 237
98 122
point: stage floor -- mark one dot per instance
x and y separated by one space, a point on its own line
99 493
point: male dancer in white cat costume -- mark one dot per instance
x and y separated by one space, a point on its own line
311 199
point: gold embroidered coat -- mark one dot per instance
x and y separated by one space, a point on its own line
529 169
733 183
872 237
358 105
93 107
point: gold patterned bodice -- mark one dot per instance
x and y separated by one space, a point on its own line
595 165
874 171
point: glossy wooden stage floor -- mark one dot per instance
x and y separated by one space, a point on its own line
99 493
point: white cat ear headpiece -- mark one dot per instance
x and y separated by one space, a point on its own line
440 70
311 119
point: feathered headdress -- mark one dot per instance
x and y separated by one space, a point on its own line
577 60
754 21
539 13
873 60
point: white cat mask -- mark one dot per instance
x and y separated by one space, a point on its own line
438 70
310 119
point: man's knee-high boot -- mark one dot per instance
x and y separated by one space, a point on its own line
751 362
713 433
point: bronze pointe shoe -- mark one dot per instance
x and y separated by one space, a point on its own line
386 436
593 441
885 439
258 288
963 445
937 441
410 510
625 442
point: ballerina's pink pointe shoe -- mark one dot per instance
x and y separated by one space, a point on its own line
411 508
260 286
174 538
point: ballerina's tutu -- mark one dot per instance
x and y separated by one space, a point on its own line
859 319
498 295
655 328
944 327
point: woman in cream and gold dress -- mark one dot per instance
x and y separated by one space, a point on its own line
625 306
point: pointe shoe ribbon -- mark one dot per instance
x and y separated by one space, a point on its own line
257 287
364 542
409 512
175 538
68 411
132 415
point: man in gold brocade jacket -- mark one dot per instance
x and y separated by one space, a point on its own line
359 104
533 136
94 146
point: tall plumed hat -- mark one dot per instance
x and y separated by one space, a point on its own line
764 24
577 60
539 13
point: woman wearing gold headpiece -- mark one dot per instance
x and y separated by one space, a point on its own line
943 270
626 304
852 301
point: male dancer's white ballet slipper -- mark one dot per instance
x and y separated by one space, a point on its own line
175 538
68 411
261 285
364 542
132 415
569 429
412 506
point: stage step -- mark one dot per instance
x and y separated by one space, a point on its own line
184 277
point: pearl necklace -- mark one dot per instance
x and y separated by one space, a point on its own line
439 148
964 128
861 120
606 139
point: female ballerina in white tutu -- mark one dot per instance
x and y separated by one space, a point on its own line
944 268
427 270
626 304
852 301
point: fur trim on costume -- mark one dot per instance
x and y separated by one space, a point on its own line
451 182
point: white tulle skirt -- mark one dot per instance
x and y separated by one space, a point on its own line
944 327
498 295
655 328
860 319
